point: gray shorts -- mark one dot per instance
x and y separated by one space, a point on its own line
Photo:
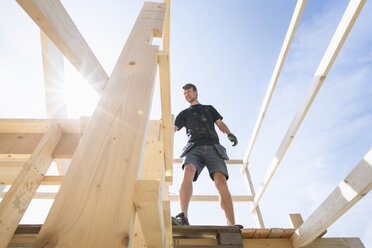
205 155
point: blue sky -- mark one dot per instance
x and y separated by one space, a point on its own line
229 50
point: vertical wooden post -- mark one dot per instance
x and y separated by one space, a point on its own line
94 207
16 201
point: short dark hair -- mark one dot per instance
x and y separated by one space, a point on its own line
189 86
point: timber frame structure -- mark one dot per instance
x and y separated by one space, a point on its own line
119 152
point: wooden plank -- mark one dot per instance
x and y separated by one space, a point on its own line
164 76
261 233
287 232
37 195
212 198
153 163
20 194
21 145
90 210
147 200
138 239
67 146
166 27
202 230
167 223
266 243
257 213
192 242
55 22
248 233
42 125
274 78
228 162
296 220
275 233
336 243
351 14
356 185
53 69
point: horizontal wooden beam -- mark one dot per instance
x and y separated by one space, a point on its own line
274 78
355 186
20 194
149 208
213 198
351 14
54 21
229 162
42 125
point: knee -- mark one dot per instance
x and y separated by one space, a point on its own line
189 171
220 180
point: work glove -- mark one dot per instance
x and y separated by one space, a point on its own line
233 139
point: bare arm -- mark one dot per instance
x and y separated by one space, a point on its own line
222 126
175 128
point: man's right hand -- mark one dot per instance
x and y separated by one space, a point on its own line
233 139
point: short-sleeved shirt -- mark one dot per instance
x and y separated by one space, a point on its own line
199 123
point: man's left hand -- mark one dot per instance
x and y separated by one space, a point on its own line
233 139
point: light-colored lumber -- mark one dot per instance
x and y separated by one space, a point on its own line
94 206
55 22
257 213
59 166
356 185
53 69
166 27
212 198
275 233
37 195
266 243
149 210
23 239
167 223
274 78
296 220
153 162
21 145
41 125
164 76
20 194
228 162
336 243
261 233
248 233
138 239
351 13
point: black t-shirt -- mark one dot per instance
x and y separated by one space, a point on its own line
199 123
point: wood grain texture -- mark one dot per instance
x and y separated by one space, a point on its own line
94 207
20 194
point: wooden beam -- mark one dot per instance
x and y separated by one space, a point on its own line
166 27
257 213
212 198
296 220
274 78
20 194
351 14
53 69
147 199
55 22
167 224
164 75
356 185
229 162
336 243
21 145
41 125
94 206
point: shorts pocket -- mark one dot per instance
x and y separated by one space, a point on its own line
221 151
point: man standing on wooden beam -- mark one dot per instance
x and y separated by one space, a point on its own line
203 149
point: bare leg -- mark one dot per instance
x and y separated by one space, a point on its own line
186 187
225 197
